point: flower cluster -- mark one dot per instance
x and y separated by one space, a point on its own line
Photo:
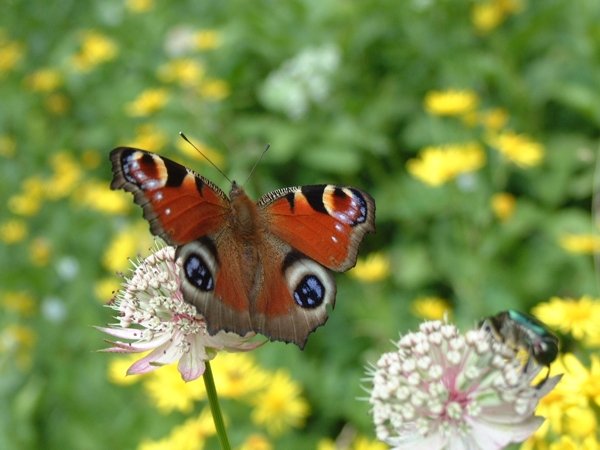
445 390
438 165
154 316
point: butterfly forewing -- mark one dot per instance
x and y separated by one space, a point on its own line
325 222
179 204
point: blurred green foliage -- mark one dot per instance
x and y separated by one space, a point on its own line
358 123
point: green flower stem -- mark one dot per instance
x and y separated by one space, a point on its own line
215 408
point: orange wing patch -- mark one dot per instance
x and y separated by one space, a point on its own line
179 204
325 222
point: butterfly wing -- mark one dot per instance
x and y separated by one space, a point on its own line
325 222
308 230
294 293
179 204
188 211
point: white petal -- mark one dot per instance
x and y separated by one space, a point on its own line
191 365
492 436
161 356
123 333
414 441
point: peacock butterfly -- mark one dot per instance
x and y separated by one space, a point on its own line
246 266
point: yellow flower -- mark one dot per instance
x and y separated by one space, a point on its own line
280 405
565 443
11 52
431 308
169 392
18 340
29 201
487 16
57 103
126 244
256 442
139 6
39 252
207 39
567 407
360 442
185 148
8 146
552 406
590 443
149 138
96 195
518 148
580 422
451 102
437 165
237 375
374 267
578 317
363 443
95 49
66 176
148 102
494 119
590 380
580 243
106 287
189 436
185 71
44 80
19 301
503 205
13 231
214 89
117 370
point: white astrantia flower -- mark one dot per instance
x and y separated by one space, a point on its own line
445 390
153 314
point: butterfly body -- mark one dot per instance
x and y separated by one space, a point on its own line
250 266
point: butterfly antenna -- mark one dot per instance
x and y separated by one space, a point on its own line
256 164
205 157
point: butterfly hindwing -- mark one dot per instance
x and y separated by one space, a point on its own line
294 303
179 204
212 282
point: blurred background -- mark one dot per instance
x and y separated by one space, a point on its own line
473 124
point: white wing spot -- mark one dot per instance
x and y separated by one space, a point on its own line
167 211
152 184
334 239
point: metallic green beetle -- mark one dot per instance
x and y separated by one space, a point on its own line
523 332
